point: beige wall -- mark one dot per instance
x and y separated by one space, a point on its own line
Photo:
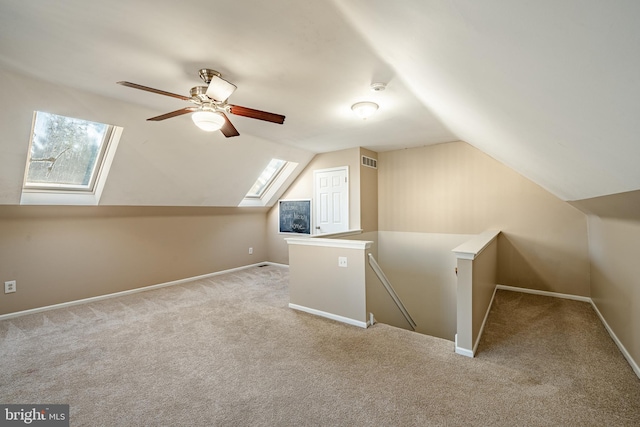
614 236
316 281
60 254
302 188
455 188
421 268
381 304
615 283
484 284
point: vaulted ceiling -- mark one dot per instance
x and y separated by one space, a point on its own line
549 88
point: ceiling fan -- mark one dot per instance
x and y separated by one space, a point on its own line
209 114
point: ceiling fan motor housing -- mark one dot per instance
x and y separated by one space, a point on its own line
199 93
206 74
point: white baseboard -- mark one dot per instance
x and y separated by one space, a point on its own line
130 291
615 339
621 347
462 351
331 316
472 352
484 322
276 264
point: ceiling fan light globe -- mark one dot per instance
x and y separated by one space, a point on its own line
364 109
208 121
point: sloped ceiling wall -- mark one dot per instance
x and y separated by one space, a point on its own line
549 88
154 165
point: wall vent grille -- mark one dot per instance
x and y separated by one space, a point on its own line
369 162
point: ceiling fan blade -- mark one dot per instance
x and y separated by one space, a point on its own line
256 114
228 129
173 114
150 89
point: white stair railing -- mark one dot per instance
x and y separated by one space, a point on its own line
387 285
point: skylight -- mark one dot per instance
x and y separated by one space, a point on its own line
67 156
265 179
270 183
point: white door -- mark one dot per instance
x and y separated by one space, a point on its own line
331 190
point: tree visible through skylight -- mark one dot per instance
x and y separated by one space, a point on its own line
65 152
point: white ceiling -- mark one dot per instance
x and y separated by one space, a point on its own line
549 88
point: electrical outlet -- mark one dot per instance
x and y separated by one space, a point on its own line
250 251
342 261
9 287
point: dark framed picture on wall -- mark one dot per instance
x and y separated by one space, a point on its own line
294 216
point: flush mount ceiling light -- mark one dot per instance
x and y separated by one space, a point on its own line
364 109
208 120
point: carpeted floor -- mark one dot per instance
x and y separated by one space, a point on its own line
227 351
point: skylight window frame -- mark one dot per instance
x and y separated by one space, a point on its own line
274 189
269 182
71 194
58 187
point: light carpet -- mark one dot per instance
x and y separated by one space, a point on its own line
227 351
